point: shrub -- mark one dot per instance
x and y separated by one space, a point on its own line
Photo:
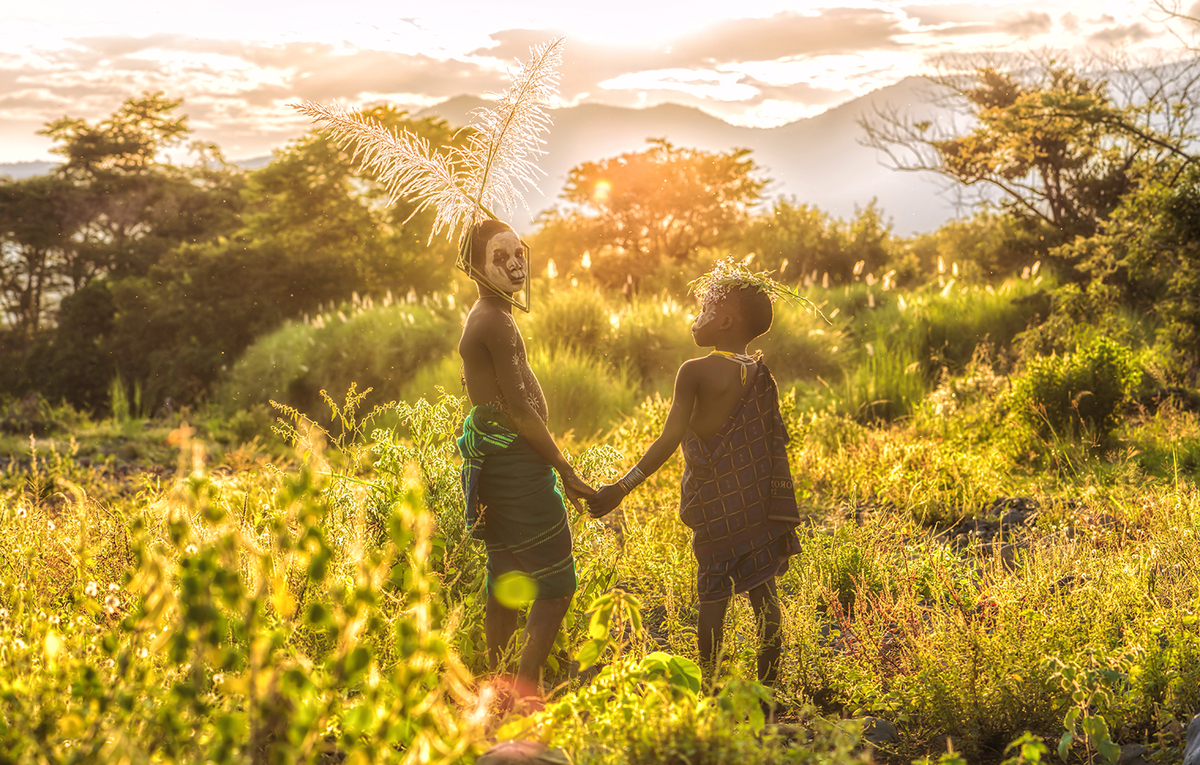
1082 391
583 394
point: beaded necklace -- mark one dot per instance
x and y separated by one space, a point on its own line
741 359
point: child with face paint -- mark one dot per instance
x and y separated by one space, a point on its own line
509 462
737 494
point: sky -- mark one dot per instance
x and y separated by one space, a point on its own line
239 63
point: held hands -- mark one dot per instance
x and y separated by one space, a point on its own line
577 491
605 500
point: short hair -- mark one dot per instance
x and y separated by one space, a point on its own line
480 235
754 306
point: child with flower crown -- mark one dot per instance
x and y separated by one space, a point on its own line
737 494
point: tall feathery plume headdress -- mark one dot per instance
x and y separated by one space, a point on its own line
728 274
462 184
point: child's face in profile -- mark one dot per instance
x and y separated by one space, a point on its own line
706 323
504 262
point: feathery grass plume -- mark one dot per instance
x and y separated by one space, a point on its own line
508 138
404 164
463 185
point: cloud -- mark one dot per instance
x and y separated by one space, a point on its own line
789 35
960 30
1122 35
950 14
1026 25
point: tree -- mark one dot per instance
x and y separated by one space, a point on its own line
1146 257
131 205
661 204
1057 148
801 242
315 230
314 203
36 218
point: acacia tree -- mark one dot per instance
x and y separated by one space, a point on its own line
660 204
1055 148
131 205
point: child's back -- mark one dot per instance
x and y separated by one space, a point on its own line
736 494
720 388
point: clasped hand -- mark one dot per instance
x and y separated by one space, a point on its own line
605 500
577 491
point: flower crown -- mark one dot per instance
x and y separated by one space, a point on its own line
728 274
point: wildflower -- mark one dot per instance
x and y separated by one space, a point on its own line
21 511
143 653
190 549
110 604
112 587
91 590
50 524
3 613
218 678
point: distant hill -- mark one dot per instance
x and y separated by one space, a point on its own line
19 170
818 161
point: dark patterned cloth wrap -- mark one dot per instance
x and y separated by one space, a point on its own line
513 505
737 496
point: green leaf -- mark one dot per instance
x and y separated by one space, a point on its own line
1064 745
589 654
1109 751
601 621
685 674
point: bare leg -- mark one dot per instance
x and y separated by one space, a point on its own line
499 624
710 628
541 627
765 601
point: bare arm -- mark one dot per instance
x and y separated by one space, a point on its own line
507 352
687 383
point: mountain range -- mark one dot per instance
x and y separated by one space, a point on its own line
816 161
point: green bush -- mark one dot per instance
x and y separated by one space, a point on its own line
1080 392
583 394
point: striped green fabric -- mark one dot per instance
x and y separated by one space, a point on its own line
485 432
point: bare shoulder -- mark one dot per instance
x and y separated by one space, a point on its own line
692 371
485 326
701 367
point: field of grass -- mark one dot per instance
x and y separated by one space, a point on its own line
210 591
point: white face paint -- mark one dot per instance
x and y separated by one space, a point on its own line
504 262
705 317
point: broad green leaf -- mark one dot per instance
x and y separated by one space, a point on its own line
590 653
1064 745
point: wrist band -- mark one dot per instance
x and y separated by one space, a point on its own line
631 479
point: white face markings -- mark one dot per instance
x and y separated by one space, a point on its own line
704 318
504 262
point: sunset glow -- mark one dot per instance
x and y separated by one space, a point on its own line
238 65
600 192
